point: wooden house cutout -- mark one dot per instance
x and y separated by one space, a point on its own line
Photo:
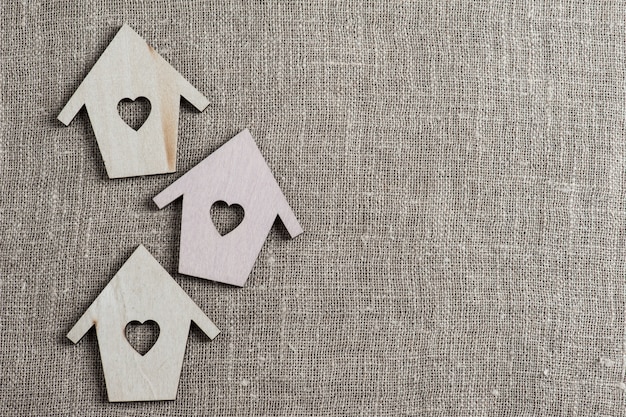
142 291
236 173
129 69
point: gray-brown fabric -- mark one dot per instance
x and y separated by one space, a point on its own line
458 167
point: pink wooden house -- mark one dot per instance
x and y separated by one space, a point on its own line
236 173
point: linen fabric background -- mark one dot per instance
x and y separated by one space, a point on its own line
458 168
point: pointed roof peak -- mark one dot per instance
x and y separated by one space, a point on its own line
242 138
242 145
141 251
127 27
125 35
126 52
142 260
140 254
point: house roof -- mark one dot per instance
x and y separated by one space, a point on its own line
239 166
139 285
129 62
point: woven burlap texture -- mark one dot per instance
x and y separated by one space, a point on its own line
458 168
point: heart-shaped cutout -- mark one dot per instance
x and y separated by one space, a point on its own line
134 112
142 336
226 218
